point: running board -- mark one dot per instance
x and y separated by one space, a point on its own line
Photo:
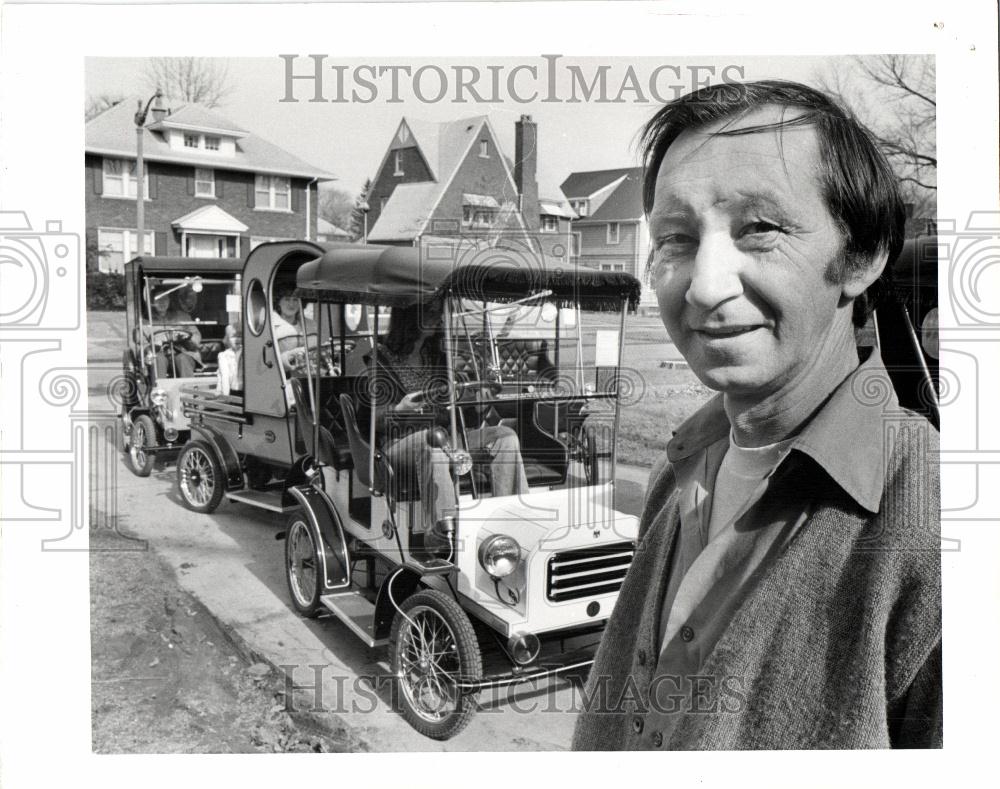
272 500
357 612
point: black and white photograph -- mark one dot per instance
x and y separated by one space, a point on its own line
376 397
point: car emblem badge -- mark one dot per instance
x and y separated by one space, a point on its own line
597 533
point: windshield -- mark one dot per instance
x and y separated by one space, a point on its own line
195 303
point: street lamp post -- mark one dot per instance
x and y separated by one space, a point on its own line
140 174
365 208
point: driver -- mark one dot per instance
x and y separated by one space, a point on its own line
174 336
411 371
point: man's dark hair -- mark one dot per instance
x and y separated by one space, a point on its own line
859 187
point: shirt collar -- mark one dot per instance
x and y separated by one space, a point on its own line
845 437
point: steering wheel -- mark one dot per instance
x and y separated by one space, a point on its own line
172 338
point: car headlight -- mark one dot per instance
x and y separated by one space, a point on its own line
158 397
499 555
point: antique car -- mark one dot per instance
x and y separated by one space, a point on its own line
177 310
528 580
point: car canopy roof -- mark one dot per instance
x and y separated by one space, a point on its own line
170 266
401 276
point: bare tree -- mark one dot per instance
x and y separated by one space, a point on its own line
98 104
336 206
358 219
200 80
894 95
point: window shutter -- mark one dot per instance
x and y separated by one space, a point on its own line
218 185
98 177
160 242
190 183
244 246
250 192
296 195
154 185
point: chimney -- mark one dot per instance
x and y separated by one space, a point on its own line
158 110
525 169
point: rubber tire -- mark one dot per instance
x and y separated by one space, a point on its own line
313 607
142 424
470 662
217 491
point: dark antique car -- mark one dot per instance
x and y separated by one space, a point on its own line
177 310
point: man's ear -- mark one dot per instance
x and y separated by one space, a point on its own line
858 280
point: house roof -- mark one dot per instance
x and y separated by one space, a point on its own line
407 211
584 184
209 219
624 203
195 116
555 208
113 133
444 146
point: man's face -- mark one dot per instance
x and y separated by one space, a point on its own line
160 306
742 238
187 300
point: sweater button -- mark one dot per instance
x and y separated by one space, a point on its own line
687 633
657 739
642 657
637 725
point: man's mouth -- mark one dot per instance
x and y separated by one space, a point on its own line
723 332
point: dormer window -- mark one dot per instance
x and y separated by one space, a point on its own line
484 149
550 224
192 140
212 143
398 163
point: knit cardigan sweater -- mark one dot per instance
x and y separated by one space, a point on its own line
837 646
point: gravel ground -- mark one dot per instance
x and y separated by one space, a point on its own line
166 678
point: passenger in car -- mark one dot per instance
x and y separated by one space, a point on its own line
411 375
231 364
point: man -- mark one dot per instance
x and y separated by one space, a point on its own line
178 352
785 591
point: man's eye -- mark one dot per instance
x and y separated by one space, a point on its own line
760 228
674 240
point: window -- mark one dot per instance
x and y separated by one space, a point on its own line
473 216
197 245
212 143
116 247
192 140
256 241
484 149
613 233
204 182
580 206
575 246
273 192
119 179
256 307
397 160
550 224
612 267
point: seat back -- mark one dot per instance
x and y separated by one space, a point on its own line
326 453
360 449
525 360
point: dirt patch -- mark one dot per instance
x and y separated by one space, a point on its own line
166 678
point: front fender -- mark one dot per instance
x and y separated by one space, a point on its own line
329 535
232 469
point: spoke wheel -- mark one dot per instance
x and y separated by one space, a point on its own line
199 477
302 567
434 648
143 435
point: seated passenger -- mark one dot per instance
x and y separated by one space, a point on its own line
231 364
178 351
411 371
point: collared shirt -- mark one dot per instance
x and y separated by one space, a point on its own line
710 578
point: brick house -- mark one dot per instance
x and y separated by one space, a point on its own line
441 182
611 233
212 188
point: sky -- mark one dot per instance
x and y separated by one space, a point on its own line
349 138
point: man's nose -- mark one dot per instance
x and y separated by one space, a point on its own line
715 277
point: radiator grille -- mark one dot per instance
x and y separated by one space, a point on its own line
588 572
